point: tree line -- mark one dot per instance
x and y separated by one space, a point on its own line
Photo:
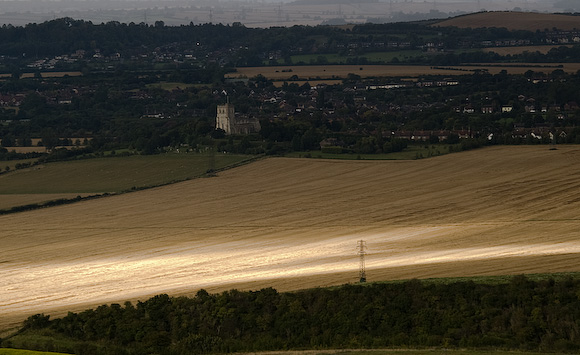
519 314
66 35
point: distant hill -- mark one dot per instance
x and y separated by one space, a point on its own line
529 21
332 2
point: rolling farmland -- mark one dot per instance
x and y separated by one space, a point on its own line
294 223
527 21
521 49
58 180
333 72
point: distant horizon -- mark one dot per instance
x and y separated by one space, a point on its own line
262 13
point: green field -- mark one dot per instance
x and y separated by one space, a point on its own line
45 342
11 164
42 183
387 57
24 352
410 153
430 352
170 86
343 352
335 58
112 174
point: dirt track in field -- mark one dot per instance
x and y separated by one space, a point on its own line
294 223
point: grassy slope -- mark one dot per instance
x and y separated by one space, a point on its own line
330 352
95 176
410 153
24 352
116 174
110 174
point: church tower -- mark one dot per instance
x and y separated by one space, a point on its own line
225 118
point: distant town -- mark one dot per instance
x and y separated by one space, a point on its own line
69 80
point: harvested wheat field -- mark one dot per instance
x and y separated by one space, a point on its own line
513 20
522 49
318 72
332 72
295 223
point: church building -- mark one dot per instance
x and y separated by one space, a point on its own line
226 119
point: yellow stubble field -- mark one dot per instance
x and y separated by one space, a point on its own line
512 20
521 49
327 72
294 224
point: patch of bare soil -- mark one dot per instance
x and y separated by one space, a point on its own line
294 223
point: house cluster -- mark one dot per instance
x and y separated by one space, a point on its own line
52 97
530 133
11 100
532 106
170 53
540 133
59 60
484 109
62 96
522 104
562 37
506 43
425 136
420 83
368 45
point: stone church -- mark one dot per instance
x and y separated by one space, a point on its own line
226 119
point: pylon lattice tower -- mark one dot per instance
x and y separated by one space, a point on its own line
362 245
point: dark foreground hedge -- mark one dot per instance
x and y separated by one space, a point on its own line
520 314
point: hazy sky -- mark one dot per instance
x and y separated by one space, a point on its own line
258 13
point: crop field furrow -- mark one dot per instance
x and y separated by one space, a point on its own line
295 223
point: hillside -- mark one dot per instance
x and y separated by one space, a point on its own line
48 182
294 223
528 21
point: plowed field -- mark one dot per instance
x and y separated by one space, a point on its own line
294 223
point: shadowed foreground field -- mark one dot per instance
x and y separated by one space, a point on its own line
294 223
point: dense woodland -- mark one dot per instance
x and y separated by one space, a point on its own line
520 314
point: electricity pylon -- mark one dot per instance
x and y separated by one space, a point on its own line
361 244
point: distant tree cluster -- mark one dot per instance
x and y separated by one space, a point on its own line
520 314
